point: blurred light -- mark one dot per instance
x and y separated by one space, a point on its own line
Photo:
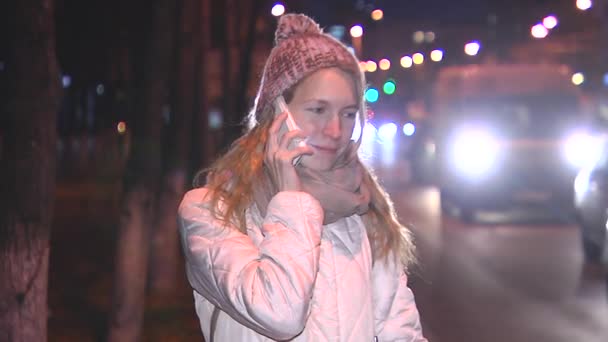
406 62
278 10
418 58
387 132
583 150
350 49
216 119
389 87
100 89
337 31
356 31
584 5
409 129
472 48
550 22
371 66
436 55
384 64
377 14
606 79
578 78
368 142
371 95
429 37
539 31
66 81
581 182
474 152
418 37
363 66
121 127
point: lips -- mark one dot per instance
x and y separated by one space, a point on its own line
325 149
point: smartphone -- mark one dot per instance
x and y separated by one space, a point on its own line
289 125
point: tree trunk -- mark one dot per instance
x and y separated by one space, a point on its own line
204 143
246 57
164 256
229 47
141 180
27 168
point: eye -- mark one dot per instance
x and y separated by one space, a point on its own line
350 115
317 109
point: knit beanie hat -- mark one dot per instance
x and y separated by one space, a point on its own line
301 48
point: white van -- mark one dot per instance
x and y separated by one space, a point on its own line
507 135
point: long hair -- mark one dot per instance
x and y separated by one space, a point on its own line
231 178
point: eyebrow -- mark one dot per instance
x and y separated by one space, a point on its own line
325 102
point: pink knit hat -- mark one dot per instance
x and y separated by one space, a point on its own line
301 48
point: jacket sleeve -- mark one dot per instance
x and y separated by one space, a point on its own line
396 314
268 287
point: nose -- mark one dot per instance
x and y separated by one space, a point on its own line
333 128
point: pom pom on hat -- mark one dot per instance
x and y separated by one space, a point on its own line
293 24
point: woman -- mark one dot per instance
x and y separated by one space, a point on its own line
307 251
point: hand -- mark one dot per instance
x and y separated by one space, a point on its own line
279 159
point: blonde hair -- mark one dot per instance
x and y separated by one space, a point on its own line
231 179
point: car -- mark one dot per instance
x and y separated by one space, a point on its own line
506 136
591 205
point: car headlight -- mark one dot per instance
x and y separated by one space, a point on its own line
582 149
474 152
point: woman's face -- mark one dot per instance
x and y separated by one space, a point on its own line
324 106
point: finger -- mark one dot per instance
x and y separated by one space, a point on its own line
287 138
276 124
272 142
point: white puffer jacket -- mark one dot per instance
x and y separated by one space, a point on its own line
291 278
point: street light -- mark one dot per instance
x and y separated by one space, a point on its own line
406 62
584 5
472 48
384 64
539 31
578 78
436 55
418 58
278 10
550 22
356 31
377 14
418 37
371 66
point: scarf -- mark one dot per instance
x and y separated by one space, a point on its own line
340 190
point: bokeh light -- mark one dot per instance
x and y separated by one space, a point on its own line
436 55
584 5
356 31
472 48
384 64
278 10
539 31
578 78
377 14
406 62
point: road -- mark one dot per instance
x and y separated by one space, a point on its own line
514 276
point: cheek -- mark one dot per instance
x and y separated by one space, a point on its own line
348 126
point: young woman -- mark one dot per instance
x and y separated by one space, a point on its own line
310 250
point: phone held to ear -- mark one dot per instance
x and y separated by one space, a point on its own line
289 125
